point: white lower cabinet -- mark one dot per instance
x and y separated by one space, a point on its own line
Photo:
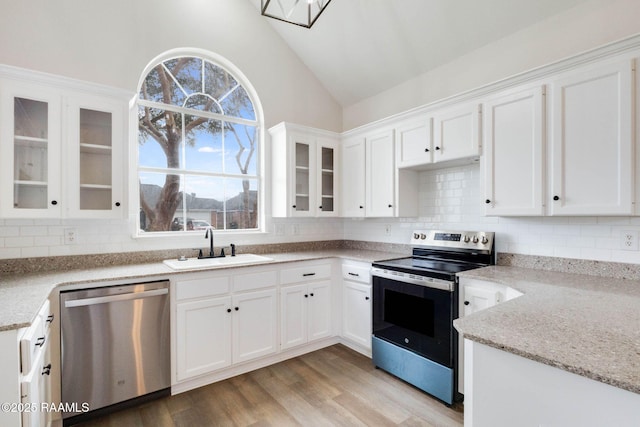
356 304
214 329
306 313
203 336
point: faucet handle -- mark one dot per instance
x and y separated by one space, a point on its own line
233 249
222 252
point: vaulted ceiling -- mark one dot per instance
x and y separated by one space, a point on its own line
359 48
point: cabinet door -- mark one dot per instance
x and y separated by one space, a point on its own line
203 335
293 323
356 318
380 174
254 325
95 157
303 178
353 178
327 176
456 133
513 153
476 299
35 390
591 142
414 145
319 310
30 151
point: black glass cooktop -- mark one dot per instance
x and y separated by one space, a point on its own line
438 268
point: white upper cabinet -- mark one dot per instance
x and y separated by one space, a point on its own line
305 171
61 147
95 134
353 174
591 149
380 174
414 145
456 133
513 152
30 120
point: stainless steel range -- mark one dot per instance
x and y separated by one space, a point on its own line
415 301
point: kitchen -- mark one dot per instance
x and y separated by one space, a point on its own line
116 46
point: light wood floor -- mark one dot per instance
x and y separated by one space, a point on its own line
332 386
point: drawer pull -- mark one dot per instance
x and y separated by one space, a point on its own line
40 341
308 274
46 370
354 274
50 318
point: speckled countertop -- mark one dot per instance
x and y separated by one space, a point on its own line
583 324
22 295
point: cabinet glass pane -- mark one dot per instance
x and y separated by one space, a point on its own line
327 179
302 177
95 159
30 152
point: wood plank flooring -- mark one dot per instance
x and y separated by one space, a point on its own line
334 386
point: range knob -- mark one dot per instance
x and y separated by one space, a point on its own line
423 236
466 239
416 236
484 240
475 239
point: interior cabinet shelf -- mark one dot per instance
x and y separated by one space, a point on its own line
30 141
95 149
31 183
96 186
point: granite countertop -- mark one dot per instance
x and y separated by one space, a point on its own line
22 295
587 325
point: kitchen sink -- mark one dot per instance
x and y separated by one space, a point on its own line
205 263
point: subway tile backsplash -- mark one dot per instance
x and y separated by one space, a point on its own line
450 198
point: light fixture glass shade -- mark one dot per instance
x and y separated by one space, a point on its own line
298 12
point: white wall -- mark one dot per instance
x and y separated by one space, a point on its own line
451 198
111 42
581 28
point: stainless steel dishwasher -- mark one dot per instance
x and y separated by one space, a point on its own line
115 347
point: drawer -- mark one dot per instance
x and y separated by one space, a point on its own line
258 280
356 273
305 273
32 343
46 316
204 287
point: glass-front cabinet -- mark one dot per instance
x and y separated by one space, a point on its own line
95 129
30 147
305 168
61 151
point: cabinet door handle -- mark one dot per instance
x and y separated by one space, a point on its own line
54 202
556 198
487 201
361 207
228 310
46 370
319 207
467 303
306 295
308 274
237 308
426 150
50 318
294 206
311 294
437 148
390 206
366 298
40 341
353 274
117 203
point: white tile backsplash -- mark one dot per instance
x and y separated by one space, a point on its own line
449 199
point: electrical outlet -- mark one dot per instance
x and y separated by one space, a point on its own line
295 229
387 229
629 240
279 229
70 236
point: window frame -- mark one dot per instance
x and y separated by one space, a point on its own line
258 123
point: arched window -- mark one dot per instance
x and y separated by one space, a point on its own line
198 148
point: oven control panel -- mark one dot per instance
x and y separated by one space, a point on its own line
482 240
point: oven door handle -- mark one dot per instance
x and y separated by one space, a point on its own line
429 282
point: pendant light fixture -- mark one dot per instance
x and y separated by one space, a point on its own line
303 13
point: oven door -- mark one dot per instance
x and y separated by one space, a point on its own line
415 317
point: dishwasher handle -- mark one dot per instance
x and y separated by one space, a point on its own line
113 298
